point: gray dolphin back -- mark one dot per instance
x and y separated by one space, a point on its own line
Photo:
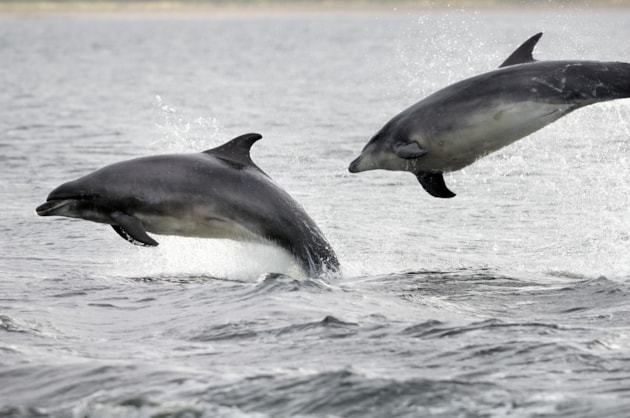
280 217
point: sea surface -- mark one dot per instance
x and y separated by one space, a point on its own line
510 300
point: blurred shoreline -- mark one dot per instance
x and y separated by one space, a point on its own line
271 7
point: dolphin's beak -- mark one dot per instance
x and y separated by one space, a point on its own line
354 166
63 199
53 207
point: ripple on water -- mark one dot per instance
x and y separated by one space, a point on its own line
351 394
329 327
11 324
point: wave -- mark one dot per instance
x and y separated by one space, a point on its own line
276 283
432 329
329 327
11 324
349 393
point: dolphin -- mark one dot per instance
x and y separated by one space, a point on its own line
465 121
218 193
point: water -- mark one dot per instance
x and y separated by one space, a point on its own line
511 299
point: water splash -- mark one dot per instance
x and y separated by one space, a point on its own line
225 259
179 132
433 58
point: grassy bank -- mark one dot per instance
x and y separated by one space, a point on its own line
234 6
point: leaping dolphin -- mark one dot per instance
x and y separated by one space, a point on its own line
455 126
218 193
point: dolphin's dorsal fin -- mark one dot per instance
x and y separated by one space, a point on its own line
523 53
236 149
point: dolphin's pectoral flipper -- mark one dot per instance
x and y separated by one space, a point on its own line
434 184
523 53
131 229
409 150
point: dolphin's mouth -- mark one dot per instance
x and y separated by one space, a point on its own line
52 207
361 164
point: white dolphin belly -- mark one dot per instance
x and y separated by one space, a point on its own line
486 131
204 226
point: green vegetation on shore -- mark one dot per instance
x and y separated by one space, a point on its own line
328 2
166 5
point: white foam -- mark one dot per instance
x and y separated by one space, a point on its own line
178 256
